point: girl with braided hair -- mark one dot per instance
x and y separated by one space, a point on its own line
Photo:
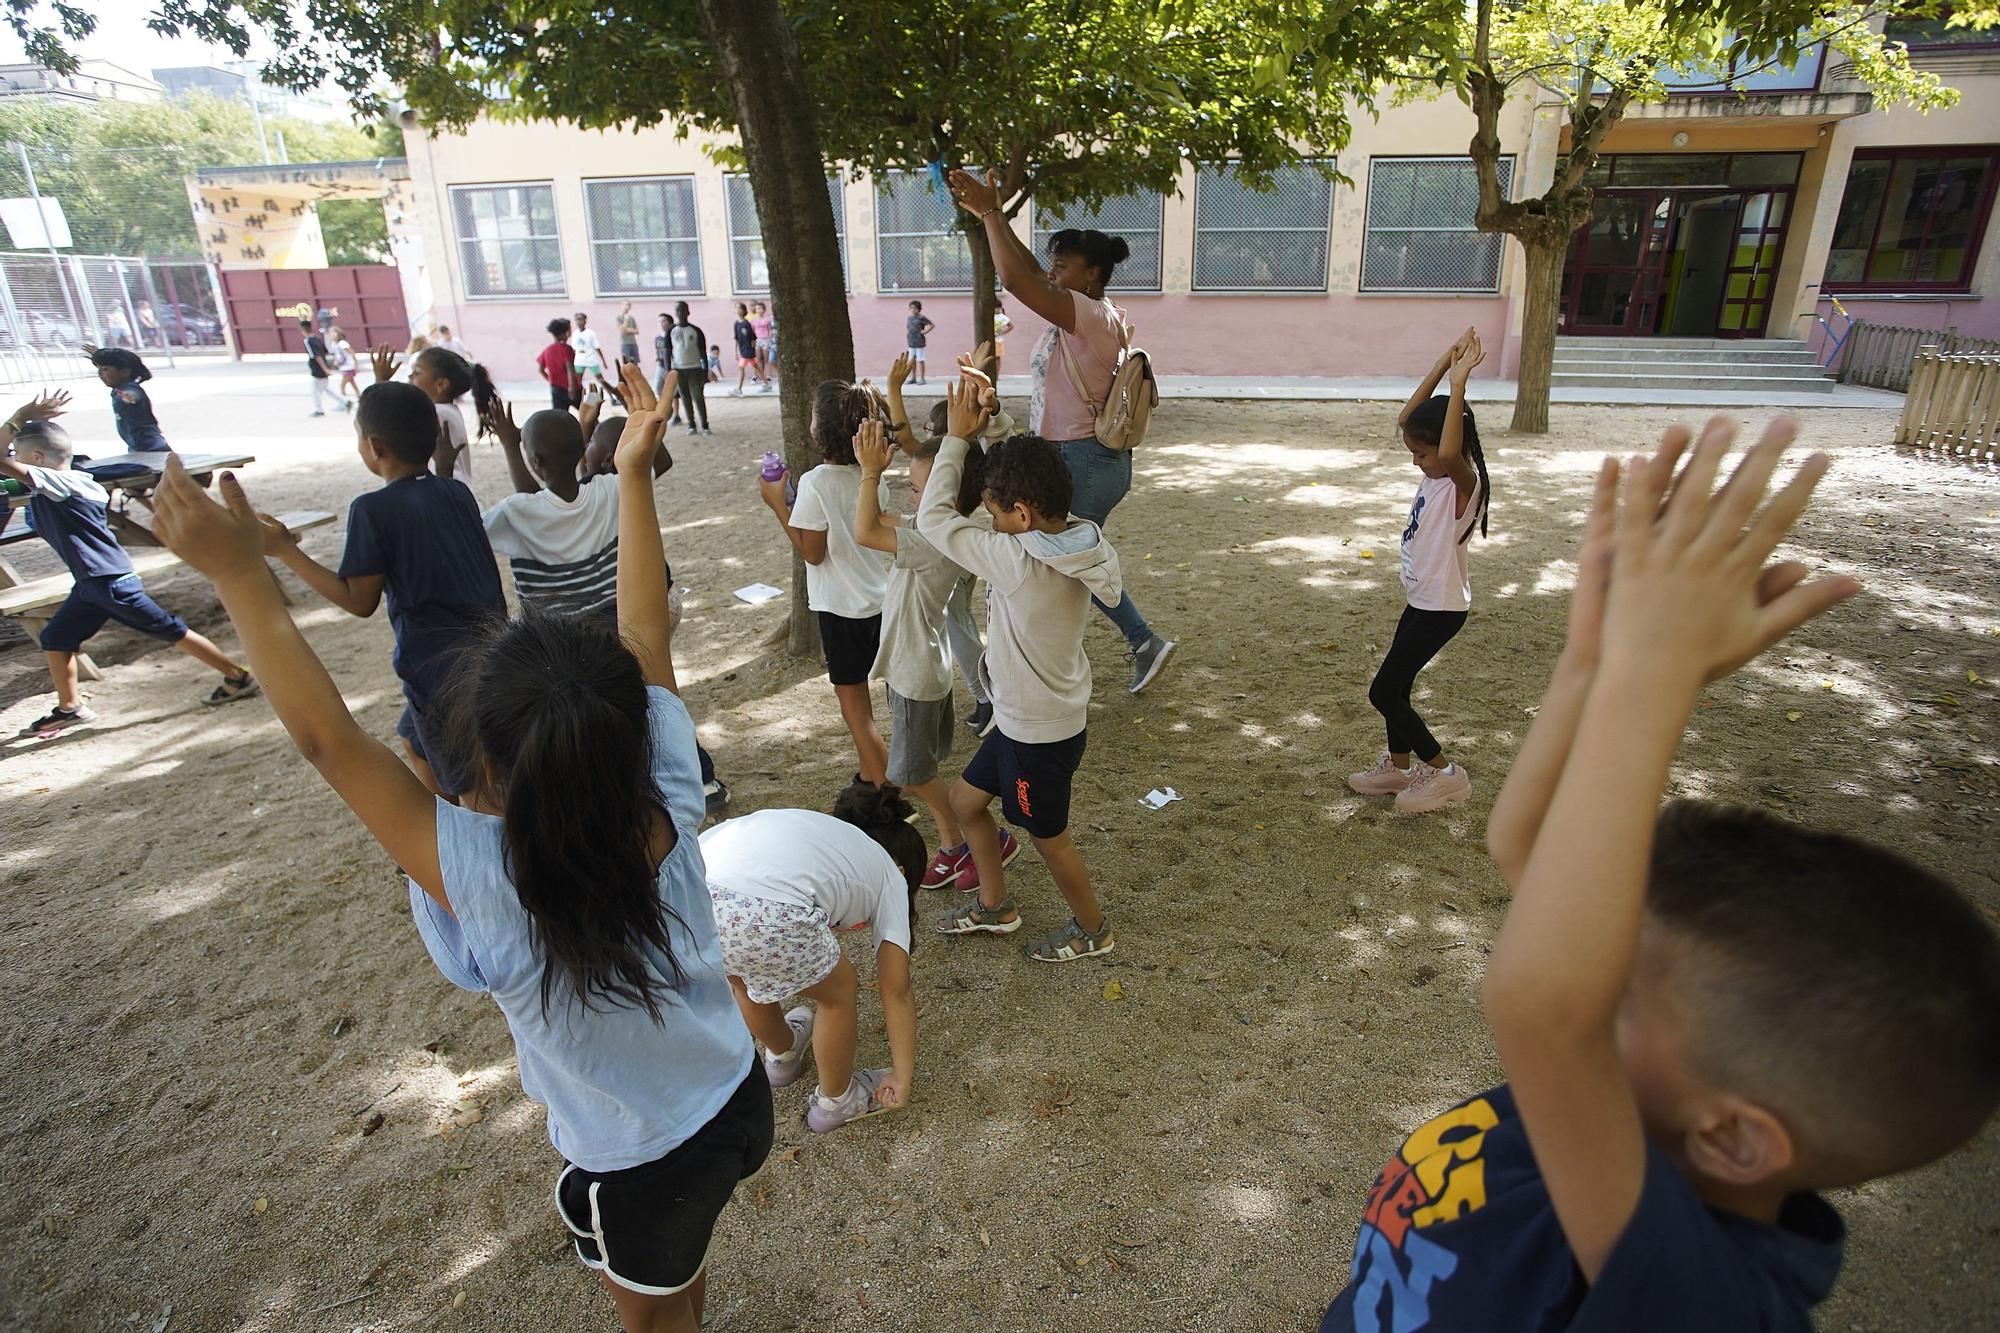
1443 440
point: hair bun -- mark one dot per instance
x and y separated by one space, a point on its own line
867 806
1119 250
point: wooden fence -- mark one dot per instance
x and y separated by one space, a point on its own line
1953 404
1881 354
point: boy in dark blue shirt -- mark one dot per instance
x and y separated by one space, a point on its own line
1706 1015
420 542
70 511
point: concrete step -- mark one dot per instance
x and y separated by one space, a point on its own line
1689 369
1642 354
1727 382
1667 344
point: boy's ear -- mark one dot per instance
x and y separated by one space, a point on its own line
1738 1142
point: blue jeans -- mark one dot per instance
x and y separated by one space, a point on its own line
1099 479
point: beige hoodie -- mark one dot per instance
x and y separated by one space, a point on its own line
1039 586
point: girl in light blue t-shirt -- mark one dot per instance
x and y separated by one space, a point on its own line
569 886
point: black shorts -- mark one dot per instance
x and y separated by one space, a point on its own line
559 398
1031 780
648 1228
850 646
119 597
425 732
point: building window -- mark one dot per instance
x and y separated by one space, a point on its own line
1255 240
1421 236
507 241
1933 33
918 244
1911 220
749 273
643 235
1135 217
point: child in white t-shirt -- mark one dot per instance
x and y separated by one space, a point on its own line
346 363
782 883
1443 441
845 582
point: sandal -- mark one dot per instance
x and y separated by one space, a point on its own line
233 688
975 916
1071 943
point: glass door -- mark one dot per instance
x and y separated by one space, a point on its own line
1612 279
1753 265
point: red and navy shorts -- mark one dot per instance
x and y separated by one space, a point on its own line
1032 780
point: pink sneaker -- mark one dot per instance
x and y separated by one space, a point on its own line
1385 779
968 878
947 866
1433 788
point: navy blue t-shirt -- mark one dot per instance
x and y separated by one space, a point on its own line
71 513
1459 1234
137 425
423 535
746 339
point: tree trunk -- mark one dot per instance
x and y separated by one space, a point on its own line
985 284
1538 331
758 58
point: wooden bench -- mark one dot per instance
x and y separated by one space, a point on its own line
35 601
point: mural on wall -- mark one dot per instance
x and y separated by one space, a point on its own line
258 228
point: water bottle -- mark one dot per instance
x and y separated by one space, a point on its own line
774 468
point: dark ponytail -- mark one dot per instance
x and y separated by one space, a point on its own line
1426 426
883 813
838 410
484 394
553 711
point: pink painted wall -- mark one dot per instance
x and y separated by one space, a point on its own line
1969 315
1322 335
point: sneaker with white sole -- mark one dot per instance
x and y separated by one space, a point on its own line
1147 662
968 874
860 1101
945 866
785 1069
1433 788
1385 779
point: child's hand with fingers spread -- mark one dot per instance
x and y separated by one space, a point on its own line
224 543
385 361
899 371
965 417
638 394
499 420
639 442
873 449
44 406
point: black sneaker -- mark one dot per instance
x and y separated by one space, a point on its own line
716 796
980 719
59 719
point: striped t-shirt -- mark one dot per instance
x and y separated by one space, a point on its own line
564 553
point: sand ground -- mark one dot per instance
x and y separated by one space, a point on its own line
236 1094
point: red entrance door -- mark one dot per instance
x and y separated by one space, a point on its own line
264 305
1612 280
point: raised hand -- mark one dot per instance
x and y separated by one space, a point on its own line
873 449
498 418
965 413
385 361
637 394
45 406
976 195
1465 354
640 441
1691 594
899 371
223 541
979 358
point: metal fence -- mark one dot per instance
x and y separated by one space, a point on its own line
1881 355
52 306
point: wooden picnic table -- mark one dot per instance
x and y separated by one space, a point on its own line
128 528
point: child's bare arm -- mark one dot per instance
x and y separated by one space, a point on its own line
358 594
899 1016
499 419
1687 602
872 528
1430 381
644 614
227 545
1465 354
899 370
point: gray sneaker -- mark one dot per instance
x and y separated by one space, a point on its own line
826 1113
1147 662
785 1069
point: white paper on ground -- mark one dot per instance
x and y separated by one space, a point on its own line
758 593
1157 798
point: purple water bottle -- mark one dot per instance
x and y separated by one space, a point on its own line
774 468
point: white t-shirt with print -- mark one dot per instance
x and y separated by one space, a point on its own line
584 342
852 580
1437 566
563 553
808 859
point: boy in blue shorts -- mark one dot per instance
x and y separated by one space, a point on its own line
1041 569
1706 1015
419 542
71 512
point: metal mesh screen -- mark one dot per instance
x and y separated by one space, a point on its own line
50 307
1255 240
918 246
1420 232
749 271
507 240
1136 217
643 235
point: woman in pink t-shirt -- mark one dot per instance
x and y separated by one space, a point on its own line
1073 364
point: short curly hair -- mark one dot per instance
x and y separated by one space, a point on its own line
1027 469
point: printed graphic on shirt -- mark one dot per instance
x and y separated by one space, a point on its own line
1410 535
1438 1176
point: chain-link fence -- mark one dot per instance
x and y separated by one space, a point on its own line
52 306
1421 236
1275 240
1135 217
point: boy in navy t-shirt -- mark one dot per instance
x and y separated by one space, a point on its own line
71 512
419 542
1706 1014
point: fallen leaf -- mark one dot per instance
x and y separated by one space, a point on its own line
1973 676
1793 716
1826 684
1367 555
261 1207
985 1239
1113 991
458 1300
1147 556
1130 1243
790 1154
465 1119
1257 826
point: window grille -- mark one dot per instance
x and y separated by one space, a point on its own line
1136 217
644 238
1420 232
918 244
749 272
507 240
1253 240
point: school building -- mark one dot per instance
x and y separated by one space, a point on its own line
1731 213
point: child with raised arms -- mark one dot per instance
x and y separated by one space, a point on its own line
570 887
122 372
1443 440
783 882
419 543
1041 570
845 581
1706 1015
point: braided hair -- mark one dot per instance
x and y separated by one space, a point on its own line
1426 426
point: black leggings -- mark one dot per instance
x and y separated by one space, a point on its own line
1420 636
692 389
